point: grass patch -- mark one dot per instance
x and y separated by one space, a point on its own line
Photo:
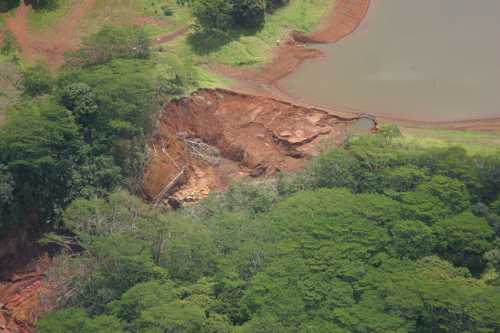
9 92
46 19
474 142
126 12
254 48
193 76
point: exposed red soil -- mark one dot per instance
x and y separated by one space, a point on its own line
171 36
24 297
143 20
51 45
205 140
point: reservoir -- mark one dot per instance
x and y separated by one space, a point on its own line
424 60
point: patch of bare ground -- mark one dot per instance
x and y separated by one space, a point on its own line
204 141
23 298
49 46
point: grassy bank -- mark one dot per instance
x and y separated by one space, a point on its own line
151 13
46 19
473 141
244 47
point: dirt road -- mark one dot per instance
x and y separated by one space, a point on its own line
49 45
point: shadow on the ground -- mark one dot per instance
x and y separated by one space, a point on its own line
206 41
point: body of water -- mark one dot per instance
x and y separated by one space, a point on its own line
430 60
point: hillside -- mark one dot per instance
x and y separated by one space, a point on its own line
155 176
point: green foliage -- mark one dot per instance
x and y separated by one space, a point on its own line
44 4
389 133
118 263
412 239
112 43
213 14
404 178
189 253
124 92
40 148
77 321
464 239
451 192
6 186
7 5
37 80
376 237
82 102
223 15
141 297
173 317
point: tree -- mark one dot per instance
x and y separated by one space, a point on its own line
189 252
464 239
172 317
389 133
112 43
6 188
213 14
412 239
77 321
7 5
37 80
249 13
40 146
143 296
82 102
423 207
452 192
116 263
404 178
44 4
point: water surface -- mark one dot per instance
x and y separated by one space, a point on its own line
421 60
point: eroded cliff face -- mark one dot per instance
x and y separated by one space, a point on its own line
204 141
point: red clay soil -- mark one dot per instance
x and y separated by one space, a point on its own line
24 298
205 140
49 46
171 36
344 19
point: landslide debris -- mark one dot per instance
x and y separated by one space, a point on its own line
204 141
24 297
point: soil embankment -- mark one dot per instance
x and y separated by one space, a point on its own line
24 297
204 141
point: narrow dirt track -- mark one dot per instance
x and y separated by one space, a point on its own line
171 36
49 45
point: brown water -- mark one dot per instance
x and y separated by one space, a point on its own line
432 60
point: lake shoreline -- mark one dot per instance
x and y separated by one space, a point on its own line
297 48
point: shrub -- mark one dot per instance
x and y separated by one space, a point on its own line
37 80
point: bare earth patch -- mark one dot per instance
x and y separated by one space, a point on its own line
206 140
51 45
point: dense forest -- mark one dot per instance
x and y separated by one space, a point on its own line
375 236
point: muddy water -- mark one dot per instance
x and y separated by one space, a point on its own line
420 60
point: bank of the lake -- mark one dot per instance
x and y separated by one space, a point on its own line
425 60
